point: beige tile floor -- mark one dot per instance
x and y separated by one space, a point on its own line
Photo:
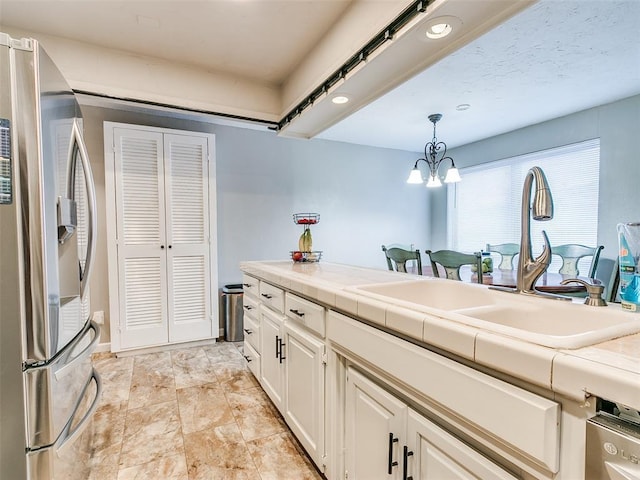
190 414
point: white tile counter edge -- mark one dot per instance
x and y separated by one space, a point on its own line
572 373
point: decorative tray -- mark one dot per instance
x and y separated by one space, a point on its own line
308 257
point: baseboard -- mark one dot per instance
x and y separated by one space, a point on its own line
167 347
103 347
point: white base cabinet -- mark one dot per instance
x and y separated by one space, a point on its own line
386 439
304 389
374 419
272 355
292 364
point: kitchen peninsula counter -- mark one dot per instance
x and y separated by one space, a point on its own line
609 370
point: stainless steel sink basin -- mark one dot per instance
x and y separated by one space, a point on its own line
550 323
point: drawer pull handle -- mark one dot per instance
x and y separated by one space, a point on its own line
267 296
248 307
248 359
297 312
278 347
247 331
392 464
248 285
405 460
281 350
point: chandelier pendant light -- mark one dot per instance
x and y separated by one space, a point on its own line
435 152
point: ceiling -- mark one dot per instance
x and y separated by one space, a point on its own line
553 58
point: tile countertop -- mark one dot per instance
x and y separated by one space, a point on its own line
609 369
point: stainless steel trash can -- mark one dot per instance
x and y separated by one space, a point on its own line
231 311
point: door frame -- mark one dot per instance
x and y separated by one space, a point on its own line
111 215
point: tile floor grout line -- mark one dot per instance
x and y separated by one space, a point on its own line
184 449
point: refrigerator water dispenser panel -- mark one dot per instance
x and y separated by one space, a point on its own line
6 195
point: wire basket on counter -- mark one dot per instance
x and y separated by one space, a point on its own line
306 257
306 218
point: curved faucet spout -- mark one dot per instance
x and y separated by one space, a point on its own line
529 270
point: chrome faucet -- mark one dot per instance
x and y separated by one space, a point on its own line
530 270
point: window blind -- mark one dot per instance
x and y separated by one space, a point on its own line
485 206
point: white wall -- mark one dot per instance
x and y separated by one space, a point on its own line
360 193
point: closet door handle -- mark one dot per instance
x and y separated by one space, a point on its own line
392 464
406 453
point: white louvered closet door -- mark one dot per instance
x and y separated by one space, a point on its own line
187 222
141 237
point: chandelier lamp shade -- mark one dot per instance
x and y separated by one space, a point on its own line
435 153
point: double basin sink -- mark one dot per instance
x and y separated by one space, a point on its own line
543 321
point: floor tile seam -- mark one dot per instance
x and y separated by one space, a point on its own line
164 456
180 412
175 392
253 460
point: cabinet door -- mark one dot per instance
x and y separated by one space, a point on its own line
436 455
140 227
187 223
375 423
304 386
272 379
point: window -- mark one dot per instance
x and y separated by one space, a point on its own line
485 206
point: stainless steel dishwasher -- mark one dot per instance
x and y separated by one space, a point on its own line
613 444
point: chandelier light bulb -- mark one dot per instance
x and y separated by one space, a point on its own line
415 176
434 181
453 176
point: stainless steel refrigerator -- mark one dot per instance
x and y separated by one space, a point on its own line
48 387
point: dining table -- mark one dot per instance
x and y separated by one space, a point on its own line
549 282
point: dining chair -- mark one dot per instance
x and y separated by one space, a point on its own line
507 252
451 261
397 259
571 254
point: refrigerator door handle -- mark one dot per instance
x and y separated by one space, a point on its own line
88 350
77 147
69 434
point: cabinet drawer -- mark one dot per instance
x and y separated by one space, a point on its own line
308 313
250 307
251 286
253 359
272 296
252 332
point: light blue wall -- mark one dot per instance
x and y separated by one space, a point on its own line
618 127
360 193
262 179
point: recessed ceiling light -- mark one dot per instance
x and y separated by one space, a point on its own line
340 99
463 106
440 27
439 30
